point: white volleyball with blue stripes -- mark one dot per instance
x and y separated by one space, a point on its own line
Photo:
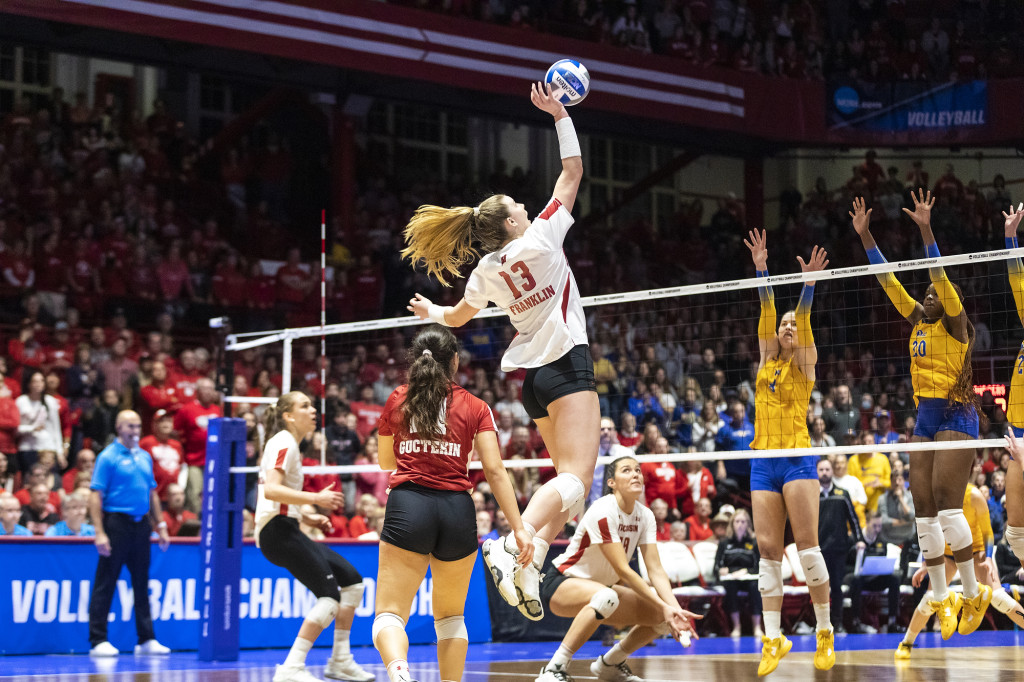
570 81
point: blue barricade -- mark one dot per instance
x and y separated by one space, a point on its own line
45 587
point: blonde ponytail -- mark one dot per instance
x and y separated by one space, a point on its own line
442 239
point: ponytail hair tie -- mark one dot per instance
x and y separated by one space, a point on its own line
426 351
476 211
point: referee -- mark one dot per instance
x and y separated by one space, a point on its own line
125 509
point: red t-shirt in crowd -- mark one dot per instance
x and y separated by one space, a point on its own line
190 422
174 521
228 286
630 441
367 416
292 282
167 461
153 398
663 481
184 383
698 531
436 464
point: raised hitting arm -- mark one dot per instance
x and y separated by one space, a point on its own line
1014 265
568 182
806 353
908 307
767 337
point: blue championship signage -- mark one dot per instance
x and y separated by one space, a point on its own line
45 587
907 107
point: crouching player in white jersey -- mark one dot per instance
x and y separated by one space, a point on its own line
524 271
337 586
593 583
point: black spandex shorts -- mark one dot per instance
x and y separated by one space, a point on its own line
549 583
571 373
315 565
430 521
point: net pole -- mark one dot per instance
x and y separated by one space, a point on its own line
323 337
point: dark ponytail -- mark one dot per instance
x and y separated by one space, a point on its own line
430 381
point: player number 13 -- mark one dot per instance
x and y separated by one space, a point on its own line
528 282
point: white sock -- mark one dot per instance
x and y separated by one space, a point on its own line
540 552
297 654
937 580
398 671
772 624
561 657
967 578
615 655
823 614
908 638
341 649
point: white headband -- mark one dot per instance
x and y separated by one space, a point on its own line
426 351
476 211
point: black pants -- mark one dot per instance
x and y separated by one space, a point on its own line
835 562
874 583
317 566
129 546
732 596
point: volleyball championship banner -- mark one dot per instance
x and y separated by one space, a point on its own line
918 111
45 587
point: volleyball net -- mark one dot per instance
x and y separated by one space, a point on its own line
696 346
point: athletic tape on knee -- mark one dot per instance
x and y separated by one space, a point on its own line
955 529
352 595
930 538
1015 539
1002 602
384 621
924 606
769 578
452 627
605 602
813 563
323 611
570 488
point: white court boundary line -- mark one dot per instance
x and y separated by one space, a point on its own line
693 456
244 340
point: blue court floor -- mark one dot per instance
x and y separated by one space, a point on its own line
981 657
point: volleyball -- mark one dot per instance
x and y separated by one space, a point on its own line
570 81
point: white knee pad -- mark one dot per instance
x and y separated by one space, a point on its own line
452 627
924 607
815 570
323 611
570 488
383 621
769 578
955 528
352 595
930 538
604 602
1002 602
1015 539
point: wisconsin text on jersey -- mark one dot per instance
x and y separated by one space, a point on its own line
527 303
434 447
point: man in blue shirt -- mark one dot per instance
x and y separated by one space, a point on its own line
686 413
737 433
125 508
10 512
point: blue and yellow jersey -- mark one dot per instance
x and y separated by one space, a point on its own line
780 399
1015 409
936 359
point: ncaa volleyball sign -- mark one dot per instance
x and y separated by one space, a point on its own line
570 81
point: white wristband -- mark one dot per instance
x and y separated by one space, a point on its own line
568 143
162 524
436 314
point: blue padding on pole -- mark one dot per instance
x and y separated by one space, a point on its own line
221 540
